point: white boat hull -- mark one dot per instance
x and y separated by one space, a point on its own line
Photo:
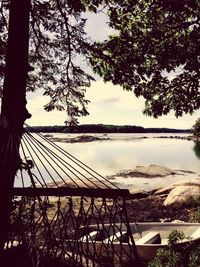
148 237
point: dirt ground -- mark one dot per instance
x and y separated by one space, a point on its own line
152 209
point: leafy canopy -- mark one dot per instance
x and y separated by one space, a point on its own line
155 53
58 51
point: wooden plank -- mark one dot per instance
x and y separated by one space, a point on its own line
115 237
196 234
89 237
149 238
66 191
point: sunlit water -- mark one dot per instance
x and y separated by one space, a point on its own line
126 151
123 152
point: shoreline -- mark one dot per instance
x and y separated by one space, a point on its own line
88 137
146 206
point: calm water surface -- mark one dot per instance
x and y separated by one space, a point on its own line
126 151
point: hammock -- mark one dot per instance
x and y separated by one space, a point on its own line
56 200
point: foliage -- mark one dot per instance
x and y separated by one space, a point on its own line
177 255
155 53
102 128
196 128
194 259
195 216
58 45
196 149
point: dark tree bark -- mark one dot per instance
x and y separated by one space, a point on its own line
13 110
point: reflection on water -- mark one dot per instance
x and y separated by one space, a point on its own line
126 151
196 149
111 156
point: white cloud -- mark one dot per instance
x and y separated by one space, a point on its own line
112 105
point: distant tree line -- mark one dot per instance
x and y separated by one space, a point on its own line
101 128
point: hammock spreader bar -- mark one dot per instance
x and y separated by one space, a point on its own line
66 191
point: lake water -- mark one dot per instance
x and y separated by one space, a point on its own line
126 151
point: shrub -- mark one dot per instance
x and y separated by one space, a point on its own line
196 128
176 254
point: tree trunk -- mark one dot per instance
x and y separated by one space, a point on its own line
13 109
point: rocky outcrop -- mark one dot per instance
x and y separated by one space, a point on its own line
182 195
138 193
181 192
148 171
79 139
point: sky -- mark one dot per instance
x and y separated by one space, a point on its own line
109 104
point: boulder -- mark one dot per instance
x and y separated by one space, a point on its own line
137 193
163 191
182 194
148 171
185 182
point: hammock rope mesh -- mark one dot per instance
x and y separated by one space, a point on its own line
64 210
